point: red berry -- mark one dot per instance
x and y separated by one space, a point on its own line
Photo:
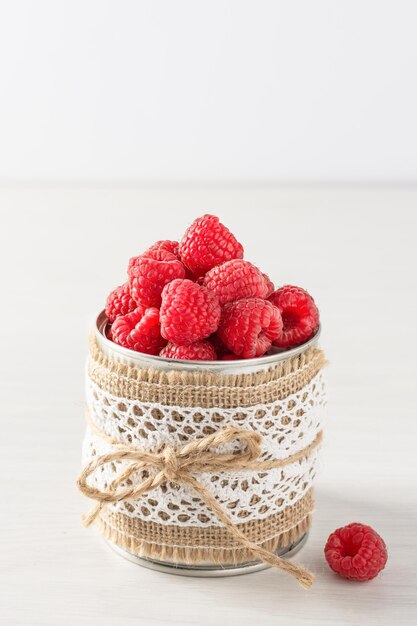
356 552
150 272
170 246
165 244
119 302
248 327
206 243
189 312
139 330
270 287
198 351
230 357
300 316
234 280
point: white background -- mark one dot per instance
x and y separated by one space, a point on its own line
226 90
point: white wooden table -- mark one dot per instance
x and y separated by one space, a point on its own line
62 250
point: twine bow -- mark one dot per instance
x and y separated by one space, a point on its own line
177 465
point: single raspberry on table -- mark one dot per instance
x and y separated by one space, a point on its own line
234 280
206 243
139 330
249 326
356 552
189 312
300 316
198 351
150 272
119 302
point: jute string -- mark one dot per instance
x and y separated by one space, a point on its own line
177 465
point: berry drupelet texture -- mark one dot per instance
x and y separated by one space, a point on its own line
119 302
189 312
235 280
300 316
150 272
139 330
356 552
207 243
249 326
198 351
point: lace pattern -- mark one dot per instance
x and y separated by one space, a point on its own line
286 426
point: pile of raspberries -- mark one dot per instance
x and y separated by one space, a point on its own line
198 300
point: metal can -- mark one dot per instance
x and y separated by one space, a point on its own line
147 402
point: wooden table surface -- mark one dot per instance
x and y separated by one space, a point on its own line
62 249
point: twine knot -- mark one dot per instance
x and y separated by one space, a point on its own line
171 465
178 465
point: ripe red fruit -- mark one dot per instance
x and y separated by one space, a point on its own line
150 272
119 302
165 244
198 351
189 312
356 552
248 327
270 287
139 330
300 316
234 280
206 243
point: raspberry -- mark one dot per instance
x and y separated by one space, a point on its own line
119 302
170 246
150 272
206 243
248 327
270 287
230 357
139 330
300 316
198 351
189 312
235 280
165 244
356 552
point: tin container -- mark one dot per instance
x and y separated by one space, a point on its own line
134 359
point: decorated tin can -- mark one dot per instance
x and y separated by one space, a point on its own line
203 468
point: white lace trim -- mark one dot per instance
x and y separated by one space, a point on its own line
287 426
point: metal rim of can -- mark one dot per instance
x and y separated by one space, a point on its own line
206 571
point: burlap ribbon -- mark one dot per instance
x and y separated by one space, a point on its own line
178 466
